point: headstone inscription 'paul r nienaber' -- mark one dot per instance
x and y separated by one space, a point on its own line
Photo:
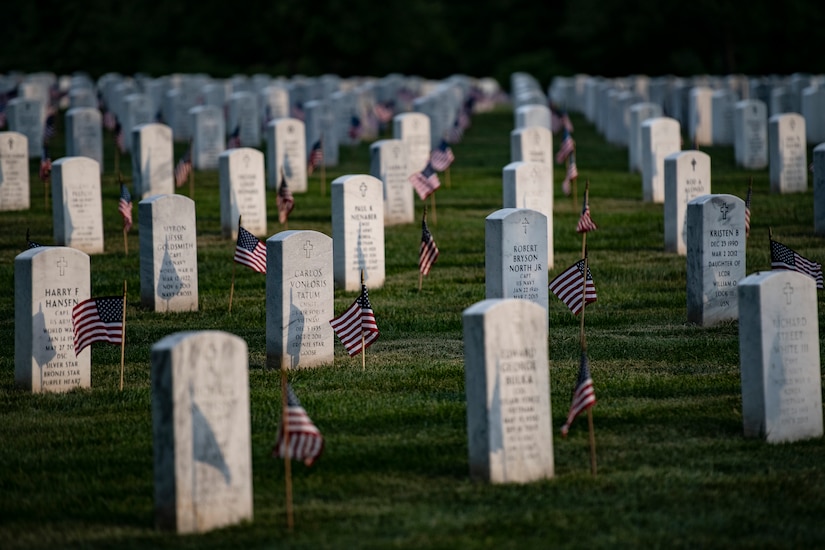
507 382
779 356
687 176
242 191
515 263
14 171
388 163
715 257
48 283
358 232
299 300
201 431
168 253
77 207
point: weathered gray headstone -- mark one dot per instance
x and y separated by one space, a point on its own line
77 208
687 176
14 171
286 150
27 117
243 116
48 283
152 160
208 139
819 189
358 232
201 431
530 185
660 137
168 253
788 153
637 114
715 258
532 115
750 130
507 382
413 129
84 134
533 144
515 260
779 356
242 191
137 109
299 300
388 163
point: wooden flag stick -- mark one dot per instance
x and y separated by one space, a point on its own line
421 275
592 433
323 169
123 337
591 430
432 199
232 286
290 520
117 158
363 349
447 175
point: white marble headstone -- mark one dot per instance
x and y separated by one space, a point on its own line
84 134
788 153
388 163
687 176
299 300
530 185
242 191
208 139
48 282
358 232
201 431
637 114
14 171
750 134
152 160
243 115
77 207
286 150
660 137
168 253
779 356
28 117
507 382
533 144
715 257
413 129
532 115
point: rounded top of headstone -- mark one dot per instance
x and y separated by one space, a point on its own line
173 340
300 233
506 305
702 199
28 255
778 277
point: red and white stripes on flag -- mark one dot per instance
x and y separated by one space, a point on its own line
358 318
567 287
584 396
442 156
585 223
97 320
565 149
124 206
183 168
285 201
250 251
783 257
316 157
428 252
305 440
425 182
748 213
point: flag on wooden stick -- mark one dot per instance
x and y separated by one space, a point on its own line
285 200
428 251
585 223
584 396
305 440
442 156
124 206
748 211
250 251
183 168
357 319
97 320
425 182
783 257
45 165
567 287
316 157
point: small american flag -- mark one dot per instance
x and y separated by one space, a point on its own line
49 130
572 173
250 251
783 257
425 182
183 168
234 138
358 318
316 156
584 396
748 212
109 120
285 200
428 251
456 132
354 128
97 320
442 156
559 120
585 223
383 112
568 145
124 206
305 440
297 111
567 287
45 166
119 142
30 243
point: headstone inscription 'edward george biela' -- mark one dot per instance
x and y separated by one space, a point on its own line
201 431
168 253
48 283
299 300
779 356
508 391
715 257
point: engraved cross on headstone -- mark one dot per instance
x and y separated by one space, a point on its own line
693 163
62 264
524 224
724 210
308 247
363 189
787 290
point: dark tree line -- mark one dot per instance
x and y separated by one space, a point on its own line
431 38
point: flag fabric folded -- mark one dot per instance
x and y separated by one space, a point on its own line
316 157
783 257
585 223
442 157
45 166
250 251
425 182
285 200
584 396
125 207
97 320
572 173
567 287
183 168
748 213
565 149
234 138
428 251
358 318
305 440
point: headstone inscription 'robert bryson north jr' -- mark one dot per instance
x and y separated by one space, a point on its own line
508 391
48 283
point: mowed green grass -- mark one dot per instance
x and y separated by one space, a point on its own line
674 467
